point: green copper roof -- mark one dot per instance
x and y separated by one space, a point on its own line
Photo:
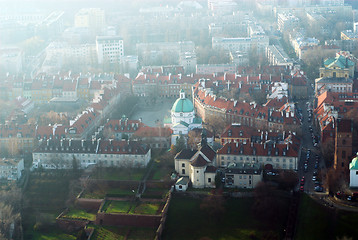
354 164
338 61
182 105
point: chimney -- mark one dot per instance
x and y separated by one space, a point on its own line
69 142
237 144
48 142
82 143
61 142
260 76
265 145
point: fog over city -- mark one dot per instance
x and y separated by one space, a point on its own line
153 119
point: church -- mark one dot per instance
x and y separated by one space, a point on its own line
183 117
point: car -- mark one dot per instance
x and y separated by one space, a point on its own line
316 165
315 173
314 178
301 188
349 198
318 189
305 168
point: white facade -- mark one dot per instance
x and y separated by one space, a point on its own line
11 169
243 45
353 175
109 49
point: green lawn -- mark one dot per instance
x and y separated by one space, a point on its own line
318 222
119 174
54 234
109 233
113 192
141 234
146 208
80 215
117 206
155 193
187 221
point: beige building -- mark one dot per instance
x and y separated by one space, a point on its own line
198 165
243 175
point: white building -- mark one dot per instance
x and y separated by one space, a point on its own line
109 49
188 61
183 117
60 154
353 172
198 165
243 44
11 169
92 18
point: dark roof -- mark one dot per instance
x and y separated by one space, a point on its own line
185 154
208 152
199 161
210 169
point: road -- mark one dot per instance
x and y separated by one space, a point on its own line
307 143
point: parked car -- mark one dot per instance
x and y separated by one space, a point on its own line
301 188
318 189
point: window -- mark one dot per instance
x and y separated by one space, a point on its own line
343 154
209 179
183 171
183 164
342 164
197 171
356 172
180 186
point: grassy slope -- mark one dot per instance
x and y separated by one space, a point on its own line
318 222
186 221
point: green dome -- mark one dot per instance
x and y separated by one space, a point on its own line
182 105
354 164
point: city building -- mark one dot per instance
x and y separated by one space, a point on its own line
183 117
343 147
92 18
110 49
197 165
353 173
241 44
61 154
242 175
287 22
122 128
11 60
188 61
277 56
11 169
281 155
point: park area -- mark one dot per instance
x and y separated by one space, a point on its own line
319 222
119 174
235 221
129 207
120 233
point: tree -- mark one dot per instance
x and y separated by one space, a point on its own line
216 124
8 218
179 145
288 180
333 181
194 138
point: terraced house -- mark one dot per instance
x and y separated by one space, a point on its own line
61 154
